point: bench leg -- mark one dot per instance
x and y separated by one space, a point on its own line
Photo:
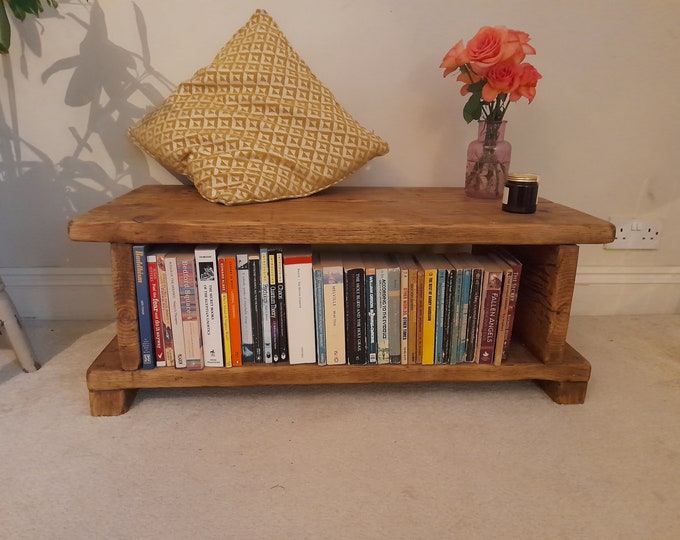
111 402
565 393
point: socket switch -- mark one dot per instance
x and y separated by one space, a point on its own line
634 233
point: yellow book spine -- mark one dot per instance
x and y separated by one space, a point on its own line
429 315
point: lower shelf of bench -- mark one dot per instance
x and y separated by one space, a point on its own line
112 389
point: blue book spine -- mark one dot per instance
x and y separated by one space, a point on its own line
456 316
464 314
439 317
319 316
143 307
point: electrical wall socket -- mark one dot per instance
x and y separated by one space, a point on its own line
634 233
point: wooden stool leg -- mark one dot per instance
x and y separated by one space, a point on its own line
9 320
111 402
565 393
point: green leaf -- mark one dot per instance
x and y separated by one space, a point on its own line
21 8
476 88
5 30
473 107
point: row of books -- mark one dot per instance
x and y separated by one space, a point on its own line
223 306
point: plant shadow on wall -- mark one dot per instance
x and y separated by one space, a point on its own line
107 79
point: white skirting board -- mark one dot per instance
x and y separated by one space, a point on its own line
85 293
60 293
633 290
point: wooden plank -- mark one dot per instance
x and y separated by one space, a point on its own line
565 393
111 402
340 215
125 301
545 295
105 375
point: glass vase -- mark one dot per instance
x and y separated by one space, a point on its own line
488 161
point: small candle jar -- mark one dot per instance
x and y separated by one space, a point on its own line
520 193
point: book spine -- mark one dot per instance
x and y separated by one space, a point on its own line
488 329
191 324
382 308
143 307
256 306
394 316
449 316
420 316
464 314
299 295
334 314
265 314
473 314
442 279
503 315
319 312
456 312
284 353
404 301
175 304
245 312
209 307
156 316
371 317
166 319
234 316
273 306
355 313
413 337
224 310
350 317
429 315
516 266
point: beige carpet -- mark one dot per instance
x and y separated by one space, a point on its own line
415 462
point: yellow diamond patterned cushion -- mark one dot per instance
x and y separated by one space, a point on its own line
256 124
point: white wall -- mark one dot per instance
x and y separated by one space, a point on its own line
602 131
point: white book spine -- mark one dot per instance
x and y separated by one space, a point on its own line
209 305
334 314
176 312
244 306
299 293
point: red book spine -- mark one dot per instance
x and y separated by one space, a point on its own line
156 319
489 314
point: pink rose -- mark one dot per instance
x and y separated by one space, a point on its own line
527 79
500 79
520 41
455 58
491 45
492 63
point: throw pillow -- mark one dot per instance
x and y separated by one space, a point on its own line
256 124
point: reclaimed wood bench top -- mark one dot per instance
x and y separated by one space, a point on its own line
339 215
